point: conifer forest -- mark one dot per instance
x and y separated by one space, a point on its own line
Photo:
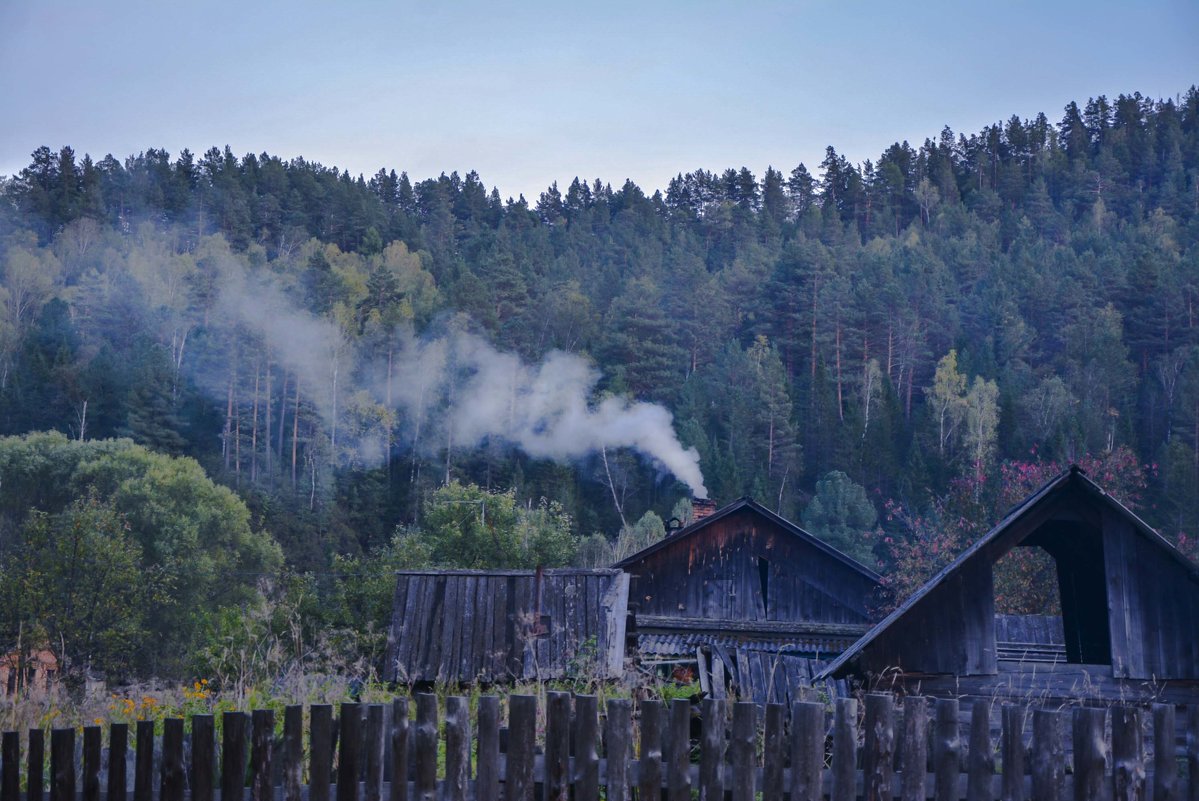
250 385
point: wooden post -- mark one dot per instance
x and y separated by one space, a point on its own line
618 748
1192 753
373 744
586 775
293 753
457 748
1090 753
914 757
679 775
62 765
774 757
1012 753
92 758
487 780
425 750
1048 765
980 760
1165 764
1128 754
143 765
878 760
845 749
118 747
262 741
807 751
35 778
203 765
233 756
557 746
522 724
650 766
10 772
742 750
711 749
947 750
172 780
320 764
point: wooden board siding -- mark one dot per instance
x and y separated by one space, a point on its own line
466 626
743 566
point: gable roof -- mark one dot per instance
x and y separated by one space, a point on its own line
757 508
1072 478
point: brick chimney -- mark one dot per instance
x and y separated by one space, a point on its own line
701 508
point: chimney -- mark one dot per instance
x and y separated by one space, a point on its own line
701 508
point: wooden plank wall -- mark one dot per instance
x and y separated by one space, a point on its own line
467 626
719 571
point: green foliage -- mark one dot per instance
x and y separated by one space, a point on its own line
842 515
192 539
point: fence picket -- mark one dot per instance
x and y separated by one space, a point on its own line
425 751
557 746
143 765
349 742
293 753
947 750
487 772
233 755
1128 754
1192 753
62 765
457 748
34 781
522 724
320 759
678 778
372 745
845 750
1165 764
807 751
878 759
773 753
1048 767
172 780
262 736
914 754
1012 753
618 748
1090 753
586 733
650 767
10 766
980 760
741 751
203 766
92 757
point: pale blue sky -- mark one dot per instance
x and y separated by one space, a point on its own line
531 92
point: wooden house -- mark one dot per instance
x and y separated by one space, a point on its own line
746 596
464 626
1129 624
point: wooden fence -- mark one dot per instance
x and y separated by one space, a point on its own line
677 752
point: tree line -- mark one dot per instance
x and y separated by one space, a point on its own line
850 344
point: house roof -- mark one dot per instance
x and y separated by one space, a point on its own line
1073 478
740 505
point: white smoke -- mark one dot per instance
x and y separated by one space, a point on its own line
457 390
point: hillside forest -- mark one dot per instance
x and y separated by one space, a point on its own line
251 386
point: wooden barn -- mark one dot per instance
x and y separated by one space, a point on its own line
466 626
1129 623
746 597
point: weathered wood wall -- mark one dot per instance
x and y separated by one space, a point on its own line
465 626
746 567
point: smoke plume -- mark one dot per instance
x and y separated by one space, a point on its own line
456 390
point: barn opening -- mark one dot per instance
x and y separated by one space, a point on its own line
1051 597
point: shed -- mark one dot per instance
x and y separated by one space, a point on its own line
463 626
1129 605
746 594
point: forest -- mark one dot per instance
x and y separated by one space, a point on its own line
372 372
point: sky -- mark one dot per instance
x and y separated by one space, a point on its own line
527 93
